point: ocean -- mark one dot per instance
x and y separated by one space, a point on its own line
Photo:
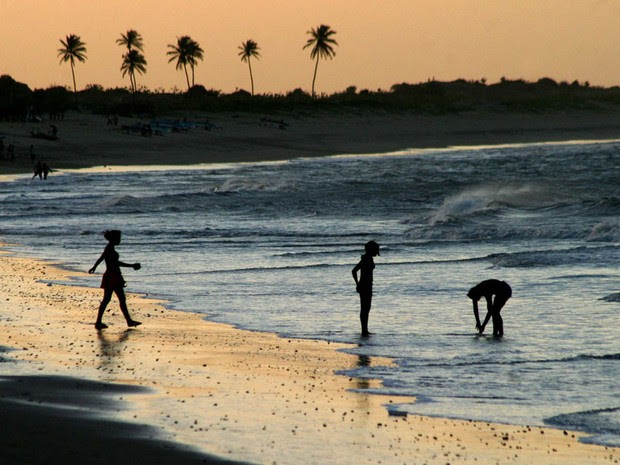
270 247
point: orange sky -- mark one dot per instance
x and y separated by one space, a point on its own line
381 42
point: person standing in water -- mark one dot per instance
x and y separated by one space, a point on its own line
487 289
363 285
112 281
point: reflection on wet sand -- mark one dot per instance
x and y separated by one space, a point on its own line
111 348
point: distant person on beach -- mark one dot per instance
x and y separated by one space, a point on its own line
113 279
363 285
41 170
38 170
46 170
488 289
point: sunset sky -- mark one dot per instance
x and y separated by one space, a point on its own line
381 42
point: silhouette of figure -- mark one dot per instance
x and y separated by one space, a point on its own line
46 170
112 280
38 170
363 285
487 289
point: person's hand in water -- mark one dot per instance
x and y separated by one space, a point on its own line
136 266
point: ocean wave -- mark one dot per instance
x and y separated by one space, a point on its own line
605 206
611 297
604 232
253 185
536 258
456 229
318 253
121 201
491 197
604 424
270 268
572 359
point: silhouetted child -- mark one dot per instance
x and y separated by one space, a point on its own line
112 280
487 289
363 285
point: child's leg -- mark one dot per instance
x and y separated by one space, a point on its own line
365 303
122 301
107 295
498 323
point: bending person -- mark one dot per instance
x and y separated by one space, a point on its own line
112 280
363 285
487 289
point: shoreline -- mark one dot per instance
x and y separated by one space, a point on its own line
230 392
85 140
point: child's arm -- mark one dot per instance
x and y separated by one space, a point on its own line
478 326
99 260
135 266
354 271
488 315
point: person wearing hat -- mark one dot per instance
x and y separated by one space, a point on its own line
496 294
363 285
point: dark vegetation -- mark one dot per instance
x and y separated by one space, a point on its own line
19 102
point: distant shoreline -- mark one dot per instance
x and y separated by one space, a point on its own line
86 140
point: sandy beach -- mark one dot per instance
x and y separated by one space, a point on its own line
86 140
183 390
178 388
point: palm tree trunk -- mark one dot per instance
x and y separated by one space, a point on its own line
251 77
73 74
315 69
186 76
193 83
132 80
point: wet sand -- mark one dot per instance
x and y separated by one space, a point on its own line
70 394
86 140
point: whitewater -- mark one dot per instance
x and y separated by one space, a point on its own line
270 247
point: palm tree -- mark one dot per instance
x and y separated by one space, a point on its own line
133 61
133 41
321 42
72 49
194 53
249 49
186 52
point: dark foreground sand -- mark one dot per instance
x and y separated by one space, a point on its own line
72 395
63 420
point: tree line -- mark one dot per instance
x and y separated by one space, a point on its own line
17 100
186 52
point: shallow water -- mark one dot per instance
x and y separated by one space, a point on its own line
270 246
